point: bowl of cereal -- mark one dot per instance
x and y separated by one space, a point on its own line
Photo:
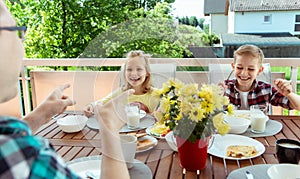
238 125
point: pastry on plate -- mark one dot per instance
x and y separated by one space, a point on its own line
240 151
144 144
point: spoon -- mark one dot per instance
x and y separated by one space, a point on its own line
90 175
249 175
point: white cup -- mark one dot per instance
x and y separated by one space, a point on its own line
129 144
133 116
258 120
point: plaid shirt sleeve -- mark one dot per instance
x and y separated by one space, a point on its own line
278 99
262 94
25 156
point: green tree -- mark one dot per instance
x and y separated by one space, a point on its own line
201 23
193 21
210 39
63 28
187 20
102 28
157 34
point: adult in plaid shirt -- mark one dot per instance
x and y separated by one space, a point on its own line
245 90
23 155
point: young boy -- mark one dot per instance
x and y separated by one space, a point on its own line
245 90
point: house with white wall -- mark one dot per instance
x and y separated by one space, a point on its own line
264 16
270 24
218 20
253 16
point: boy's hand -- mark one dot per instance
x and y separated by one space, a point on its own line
222 85
283 86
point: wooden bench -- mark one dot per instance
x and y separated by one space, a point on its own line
86 86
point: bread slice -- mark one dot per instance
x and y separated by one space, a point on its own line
239 151
144 144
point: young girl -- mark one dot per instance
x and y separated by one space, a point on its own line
137 76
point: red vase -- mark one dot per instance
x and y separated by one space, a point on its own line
192 156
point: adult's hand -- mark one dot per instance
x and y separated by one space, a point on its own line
111 116
55 103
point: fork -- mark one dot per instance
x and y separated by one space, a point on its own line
229 75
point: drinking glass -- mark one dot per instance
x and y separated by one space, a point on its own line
258 119
133 116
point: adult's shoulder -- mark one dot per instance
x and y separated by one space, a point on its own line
12 125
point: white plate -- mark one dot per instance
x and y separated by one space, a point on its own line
284 171
144 123
148 131
93 163
150 138
220 144
171 141
82 165
93 123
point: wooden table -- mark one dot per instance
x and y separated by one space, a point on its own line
163 162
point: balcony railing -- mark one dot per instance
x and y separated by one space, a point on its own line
25 103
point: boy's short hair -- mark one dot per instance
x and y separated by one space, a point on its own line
249 50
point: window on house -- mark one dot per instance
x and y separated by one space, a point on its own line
297 23
267 19
298 18
297 27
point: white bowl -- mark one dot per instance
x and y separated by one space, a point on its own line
171 141
284 171
242 113
72 123
238 125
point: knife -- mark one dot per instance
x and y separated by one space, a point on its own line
249 175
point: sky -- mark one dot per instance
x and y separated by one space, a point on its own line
188 8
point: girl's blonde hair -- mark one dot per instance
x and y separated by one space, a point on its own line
249 50
148 81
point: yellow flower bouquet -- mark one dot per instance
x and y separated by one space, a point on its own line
192 113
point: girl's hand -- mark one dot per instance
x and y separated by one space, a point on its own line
142 106
88 110
283 86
